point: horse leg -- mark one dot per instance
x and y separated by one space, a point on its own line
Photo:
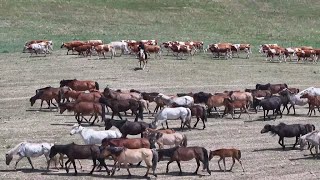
198 165
233 161
66 165
119 115
48 102
102 163
167 124
15 167
167 170
126 165
240 163
94 165
219 163
224 163
95 118
29 159
297 137
75 168
281 144
178 162
195 125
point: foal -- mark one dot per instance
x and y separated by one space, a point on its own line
223 153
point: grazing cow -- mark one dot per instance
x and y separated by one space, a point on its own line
104 48
84 49
237 48
221 48
71 45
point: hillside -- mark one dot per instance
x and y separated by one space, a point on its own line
287 22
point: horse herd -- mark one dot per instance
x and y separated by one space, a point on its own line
85 99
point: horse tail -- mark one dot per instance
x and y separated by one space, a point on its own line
103 113
96 85
155 158
60 96
239 154
189 116
204 114
206 160
140 110
184 142
285 85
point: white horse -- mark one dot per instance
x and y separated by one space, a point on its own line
311 91
313 138
91 136
26 149
182 113
184 101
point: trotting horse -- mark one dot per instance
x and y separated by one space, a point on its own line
26 149
182 113
142 59
77 85
186 154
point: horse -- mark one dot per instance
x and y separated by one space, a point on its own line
313 101
186 154
78 85
259 93
313 138
182 113
184 101
230 106
125 156
292 130
132 143
27 149
164 131
244 96
223 153
118 106
294 99
142 59
84 108
91 136
200 112
271 103
174 139
160 104
74 151
127 127
120 95
274 88
310 90
46 94
212 101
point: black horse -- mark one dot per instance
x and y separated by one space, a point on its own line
127 127
201 97
74 151
292 130
272 103
118 106
186 154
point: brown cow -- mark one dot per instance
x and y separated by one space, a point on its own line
153 49
184 49
104 48
237 48
71 45
265 47
85 49
305 54
225 48
94 42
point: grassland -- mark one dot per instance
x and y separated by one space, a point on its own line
287 22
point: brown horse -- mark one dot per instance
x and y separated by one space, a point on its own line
313 101
79 85
74 151
259 93
223 153
125 156
160 104
215 101
186 154
132 143
242 96
46 94
231 105
109 93
84 108
274 88
200 112
118 106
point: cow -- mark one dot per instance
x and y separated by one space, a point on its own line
104 48
272 52
149 42
71 45
120 45
153 49
265 47
94 42
85 49
225 48
305 54
47 43
38 48
166 45
184 49
237 48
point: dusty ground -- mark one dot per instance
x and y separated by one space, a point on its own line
262 157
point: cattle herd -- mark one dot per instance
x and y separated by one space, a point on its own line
179 49
85 99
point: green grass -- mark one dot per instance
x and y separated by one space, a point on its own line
287 22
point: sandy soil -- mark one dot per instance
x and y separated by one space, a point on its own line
262 156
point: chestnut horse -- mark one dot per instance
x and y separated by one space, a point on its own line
79 85
109 93
313 101
200 112
46 94
186 154
84 108
223 153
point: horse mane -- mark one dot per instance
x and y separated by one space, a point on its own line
167 152
115 150
66 81
136 91
15 149
41 89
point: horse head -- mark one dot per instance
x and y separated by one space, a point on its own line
77 128
8 159
107 124
266 128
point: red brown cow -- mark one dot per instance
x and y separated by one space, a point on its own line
221 48
94 42
104 48
71 45
277 51
305 54
265 47
85 49
184 49
153 49
237 48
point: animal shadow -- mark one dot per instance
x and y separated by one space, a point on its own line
275 149
137 68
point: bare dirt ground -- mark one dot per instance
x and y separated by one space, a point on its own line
262 156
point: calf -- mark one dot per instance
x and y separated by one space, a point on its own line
223 153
